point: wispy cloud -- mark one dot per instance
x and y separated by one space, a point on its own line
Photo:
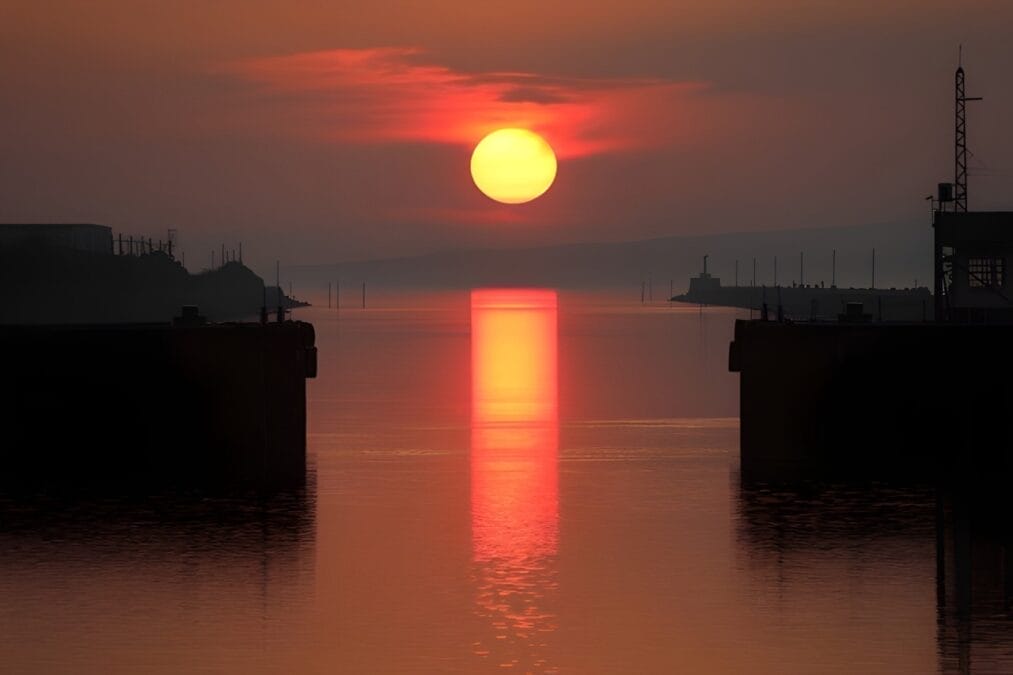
387 95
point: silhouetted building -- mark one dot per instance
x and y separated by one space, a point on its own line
77 236
971 252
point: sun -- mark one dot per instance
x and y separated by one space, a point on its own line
513 166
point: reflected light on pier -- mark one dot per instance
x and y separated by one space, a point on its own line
514 474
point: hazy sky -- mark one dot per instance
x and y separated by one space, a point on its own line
320 131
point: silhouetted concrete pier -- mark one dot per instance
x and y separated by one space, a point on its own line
907 399
123 408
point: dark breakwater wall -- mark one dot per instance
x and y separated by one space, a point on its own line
890 399
125 408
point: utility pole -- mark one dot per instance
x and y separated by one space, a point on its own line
277 285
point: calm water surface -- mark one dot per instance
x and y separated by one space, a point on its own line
610 534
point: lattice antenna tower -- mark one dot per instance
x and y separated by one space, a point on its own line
960 137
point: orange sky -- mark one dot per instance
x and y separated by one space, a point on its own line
322 131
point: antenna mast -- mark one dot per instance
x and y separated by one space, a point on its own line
960 137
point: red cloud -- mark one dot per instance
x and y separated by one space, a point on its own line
394 95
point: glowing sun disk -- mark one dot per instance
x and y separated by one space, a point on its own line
513 166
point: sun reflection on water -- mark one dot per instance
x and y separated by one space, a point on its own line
514 472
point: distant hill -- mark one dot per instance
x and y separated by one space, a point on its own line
903 254
47 283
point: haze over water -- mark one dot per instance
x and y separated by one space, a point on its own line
610 534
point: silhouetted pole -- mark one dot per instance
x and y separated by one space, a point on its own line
263 307
754 272
801 268
833 269
240 252
277 286
121 243
873 268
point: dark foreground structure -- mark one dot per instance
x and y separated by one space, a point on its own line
128 408
912 398
907 398
892 399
